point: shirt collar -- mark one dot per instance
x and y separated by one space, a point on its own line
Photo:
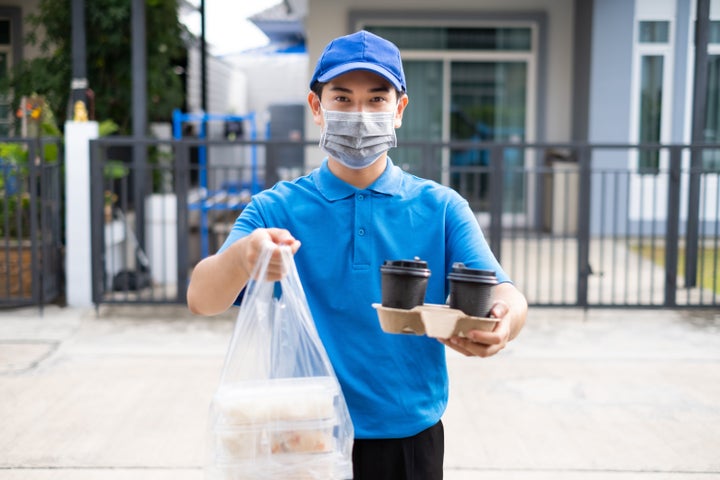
332 188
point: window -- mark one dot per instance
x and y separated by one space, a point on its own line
714 32
455 38
470 85
4 31
654 32
653 54
711 158
651 89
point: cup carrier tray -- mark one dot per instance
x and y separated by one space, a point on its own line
439 321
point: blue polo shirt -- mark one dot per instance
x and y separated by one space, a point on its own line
395 385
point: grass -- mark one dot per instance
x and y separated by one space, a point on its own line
708 268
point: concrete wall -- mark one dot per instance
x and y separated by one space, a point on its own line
611 71
25 6
271 79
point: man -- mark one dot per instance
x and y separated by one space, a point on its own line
351 214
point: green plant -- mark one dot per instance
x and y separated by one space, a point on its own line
108 49
14 165
113 169
15 216
14 202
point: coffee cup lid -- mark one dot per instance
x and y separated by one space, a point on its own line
463 273
415 263
411 267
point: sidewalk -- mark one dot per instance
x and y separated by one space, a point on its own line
604 394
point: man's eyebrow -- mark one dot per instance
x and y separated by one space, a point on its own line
340 89
372 90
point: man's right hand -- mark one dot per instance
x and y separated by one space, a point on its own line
217 280
248 250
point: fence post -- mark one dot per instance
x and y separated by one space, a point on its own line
672 228
496 199
78 269
97 238
36 233
583 222
182 186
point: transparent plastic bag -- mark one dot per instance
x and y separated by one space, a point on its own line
279 412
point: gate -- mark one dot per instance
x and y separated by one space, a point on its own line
30 221
588 225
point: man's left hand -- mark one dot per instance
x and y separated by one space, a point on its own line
478 343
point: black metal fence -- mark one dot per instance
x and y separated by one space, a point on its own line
573 224
31 206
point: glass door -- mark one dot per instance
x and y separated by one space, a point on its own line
487 104
470 84
423 119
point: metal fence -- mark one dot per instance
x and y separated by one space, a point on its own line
573 224
31 209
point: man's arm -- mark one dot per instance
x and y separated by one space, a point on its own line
510 307
217 280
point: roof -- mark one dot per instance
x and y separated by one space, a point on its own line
283 23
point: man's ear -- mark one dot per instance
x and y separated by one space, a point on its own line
314 103
402 103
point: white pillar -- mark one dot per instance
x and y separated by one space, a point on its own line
161 236
78 264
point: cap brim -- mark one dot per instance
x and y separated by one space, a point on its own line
349 67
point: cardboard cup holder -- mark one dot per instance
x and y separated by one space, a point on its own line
439 321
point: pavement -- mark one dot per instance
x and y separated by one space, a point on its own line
122 393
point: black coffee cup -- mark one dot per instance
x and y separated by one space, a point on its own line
404 283
471 290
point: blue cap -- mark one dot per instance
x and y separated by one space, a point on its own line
360 51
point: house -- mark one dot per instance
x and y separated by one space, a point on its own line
12 47
596 71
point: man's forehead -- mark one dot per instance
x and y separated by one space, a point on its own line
367 79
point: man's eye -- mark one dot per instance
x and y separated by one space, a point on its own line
378 99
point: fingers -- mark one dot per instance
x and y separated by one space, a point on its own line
279 236
499 309
261 239
480 343
470 348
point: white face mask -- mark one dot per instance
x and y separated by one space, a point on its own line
357 139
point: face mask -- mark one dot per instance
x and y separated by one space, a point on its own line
357 139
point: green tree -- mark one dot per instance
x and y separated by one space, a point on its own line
108 34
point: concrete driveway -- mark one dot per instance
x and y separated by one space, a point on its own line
606 394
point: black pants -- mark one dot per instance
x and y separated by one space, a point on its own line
419 457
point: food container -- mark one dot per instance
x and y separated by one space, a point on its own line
278 399
283 428
237 443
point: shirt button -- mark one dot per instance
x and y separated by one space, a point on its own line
361 197
361 232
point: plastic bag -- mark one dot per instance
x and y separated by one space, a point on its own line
279 412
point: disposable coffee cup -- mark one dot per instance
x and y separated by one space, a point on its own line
404 283
471 290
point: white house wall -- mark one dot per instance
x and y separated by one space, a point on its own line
272 79
647 190
223 96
